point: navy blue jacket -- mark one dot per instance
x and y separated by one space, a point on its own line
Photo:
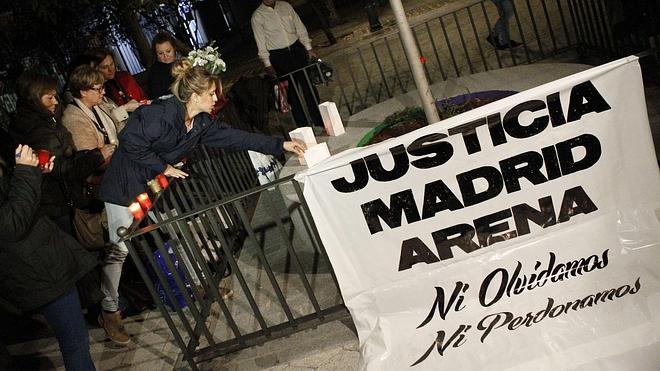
155 135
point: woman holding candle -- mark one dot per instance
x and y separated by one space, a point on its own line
37 124
156 137
41 263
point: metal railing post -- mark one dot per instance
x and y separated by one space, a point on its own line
412 53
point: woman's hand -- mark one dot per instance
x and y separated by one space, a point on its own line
107 150
173 172
49 165
131 105
295 146
26 156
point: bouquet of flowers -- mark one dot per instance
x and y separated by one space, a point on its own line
208 58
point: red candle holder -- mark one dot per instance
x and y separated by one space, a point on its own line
136 210
144 201
43 155
162 180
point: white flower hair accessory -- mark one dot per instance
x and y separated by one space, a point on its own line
209 58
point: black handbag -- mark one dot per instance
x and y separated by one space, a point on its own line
85 196
319 72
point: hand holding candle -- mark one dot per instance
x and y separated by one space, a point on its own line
26 156
49 165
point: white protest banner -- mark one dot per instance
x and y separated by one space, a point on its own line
521 235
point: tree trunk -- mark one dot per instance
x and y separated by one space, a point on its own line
134 31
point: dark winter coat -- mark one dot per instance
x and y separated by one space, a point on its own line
155 135
38 128
39 262
159 79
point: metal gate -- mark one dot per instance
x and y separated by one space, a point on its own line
203 240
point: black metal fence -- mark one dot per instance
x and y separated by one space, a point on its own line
616 28
215 232
453 44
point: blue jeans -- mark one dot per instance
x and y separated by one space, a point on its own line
501 30
115 255
66 319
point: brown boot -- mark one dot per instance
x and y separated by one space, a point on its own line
114 328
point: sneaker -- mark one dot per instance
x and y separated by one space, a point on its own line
114 327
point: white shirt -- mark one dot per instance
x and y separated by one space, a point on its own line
277 28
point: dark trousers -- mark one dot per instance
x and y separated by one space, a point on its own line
290 59
66 319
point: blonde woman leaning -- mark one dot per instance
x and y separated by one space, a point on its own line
156 137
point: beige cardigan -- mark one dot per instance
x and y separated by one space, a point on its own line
84 133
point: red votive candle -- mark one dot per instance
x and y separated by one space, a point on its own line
43 155
145 201
136 210
162 180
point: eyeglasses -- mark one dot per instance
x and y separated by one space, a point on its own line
99 89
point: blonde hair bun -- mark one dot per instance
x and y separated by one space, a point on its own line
189 79
181 67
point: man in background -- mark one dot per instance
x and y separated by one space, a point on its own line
284 47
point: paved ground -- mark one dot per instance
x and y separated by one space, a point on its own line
332 346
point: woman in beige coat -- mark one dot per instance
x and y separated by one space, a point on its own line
91 126
88 120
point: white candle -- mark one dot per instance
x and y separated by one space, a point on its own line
304 134
316 154
331 119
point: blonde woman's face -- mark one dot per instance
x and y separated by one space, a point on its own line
49 100
206 100
165 52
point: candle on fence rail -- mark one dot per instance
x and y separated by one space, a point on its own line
154 186
136 210
162 180
145 201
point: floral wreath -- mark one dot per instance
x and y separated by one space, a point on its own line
209 58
